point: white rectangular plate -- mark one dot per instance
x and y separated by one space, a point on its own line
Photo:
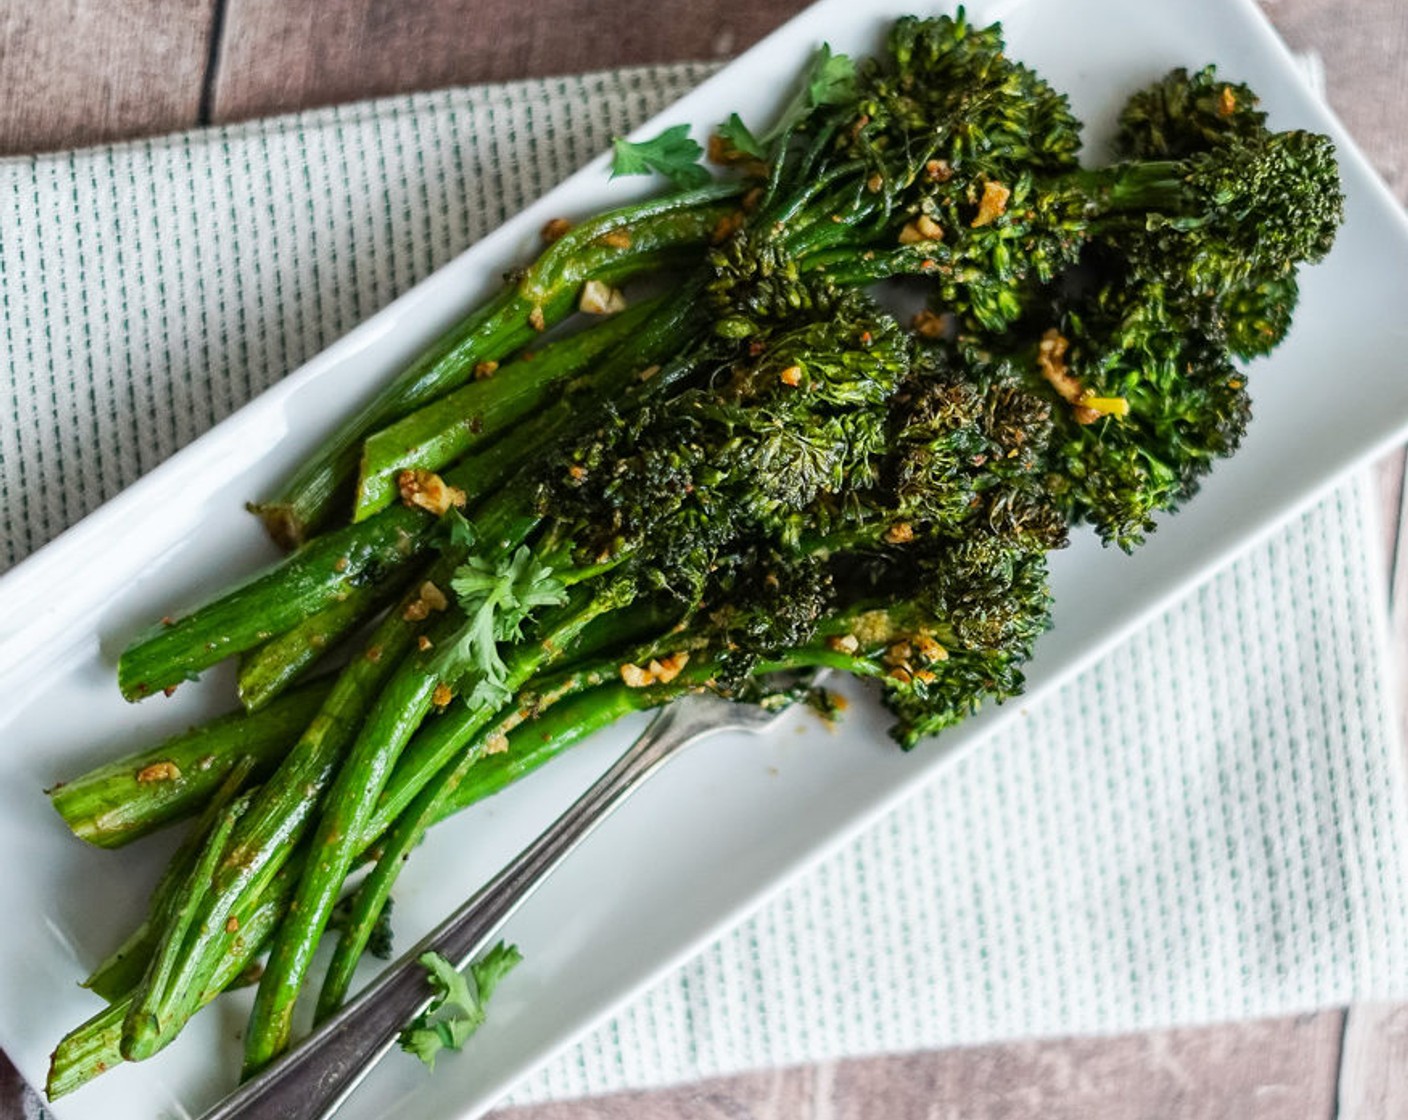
729 823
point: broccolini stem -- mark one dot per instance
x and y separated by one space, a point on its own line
323 572
404 701
187 899
473 776
1157 186
120 971
267 604
275 820
268 670
610 247
283 596
134 796
436 745
95 1046
450 426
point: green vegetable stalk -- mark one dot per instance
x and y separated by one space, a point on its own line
609 248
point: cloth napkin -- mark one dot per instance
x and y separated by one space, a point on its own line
1209 824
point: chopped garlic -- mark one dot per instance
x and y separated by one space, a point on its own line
993 204
428 491
159 772
554 229
600 299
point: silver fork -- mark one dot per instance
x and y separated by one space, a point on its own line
314 1078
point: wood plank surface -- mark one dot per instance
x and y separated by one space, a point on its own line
77 72
1373 1082
1281 1069
278 56
1364 46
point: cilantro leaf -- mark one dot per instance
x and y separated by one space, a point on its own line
454 530
673 154
460 1004
496 598
492 967
422 1040
451 986
737 136
830 80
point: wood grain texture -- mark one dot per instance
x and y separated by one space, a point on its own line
1280 1069
1372 1082
1364 45
277 56
77 72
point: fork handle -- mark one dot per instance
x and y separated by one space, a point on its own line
314 1078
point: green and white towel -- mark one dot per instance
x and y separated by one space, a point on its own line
1210 824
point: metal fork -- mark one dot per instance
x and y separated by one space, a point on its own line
313 1080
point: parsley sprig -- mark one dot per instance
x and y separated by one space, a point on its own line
496 596
673 154
460 1004
830 79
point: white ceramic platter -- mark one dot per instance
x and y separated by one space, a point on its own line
728 823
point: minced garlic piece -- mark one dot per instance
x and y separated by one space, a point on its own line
159 772
485 370
1051 360
670 667
661 671
929 229
616 238
554 229
600 299
993 204
930 324
921 229
428 491
901 532
442 695
430 598
873 627
938 170
929 648
1086 406
792 375
843 643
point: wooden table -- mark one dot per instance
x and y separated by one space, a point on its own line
77 72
